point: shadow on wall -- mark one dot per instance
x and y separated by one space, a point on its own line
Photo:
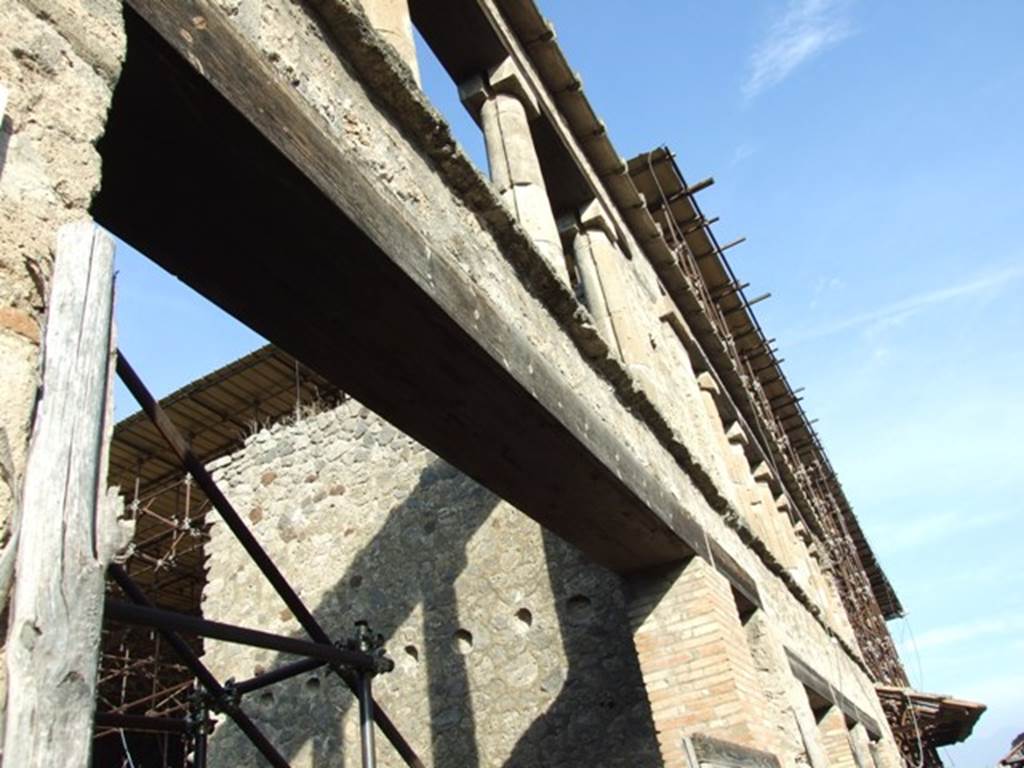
601 716
598 717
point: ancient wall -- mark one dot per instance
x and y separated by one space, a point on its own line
511 649
59 60
438 195
510 625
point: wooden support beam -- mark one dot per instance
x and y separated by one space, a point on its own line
427 349
71 530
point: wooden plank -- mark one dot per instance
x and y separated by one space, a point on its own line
803 672
69 530
384 314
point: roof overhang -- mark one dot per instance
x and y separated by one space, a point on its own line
939 718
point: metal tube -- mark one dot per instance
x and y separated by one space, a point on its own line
199 752
238 527
188 656
171 620
195 468
363 686
278 675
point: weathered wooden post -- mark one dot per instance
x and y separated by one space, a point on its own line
69 523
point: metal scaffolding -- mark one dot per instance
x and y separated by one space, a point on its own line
181 695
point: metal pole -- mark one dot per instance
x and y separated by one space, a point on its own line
209 682
182 622
140 723
364 692
195 467
286 672
199 751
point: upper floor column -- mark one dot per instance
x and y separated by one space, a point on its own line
392 21
505 107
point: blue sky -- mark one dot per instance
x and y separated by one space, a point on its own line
872 154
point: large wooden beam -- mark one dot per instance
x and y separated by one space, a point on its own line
69 527
216 169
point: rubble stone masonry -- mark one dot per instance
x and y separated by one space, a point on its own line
510 648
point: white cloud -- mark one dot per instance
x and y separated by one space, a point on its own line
805 29
822 287
900 534
957 634
876 321
741 153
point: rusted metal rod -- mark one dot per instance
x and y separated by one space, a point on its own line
733 244
140 723
690 190
747 305
696 225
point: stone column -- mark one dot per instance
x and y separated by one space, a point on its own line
807 724
777 683
861 745
594 296
392 21
836 739
505 107
694 659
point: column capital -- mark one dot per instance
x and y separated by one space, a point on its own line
594 216
504 79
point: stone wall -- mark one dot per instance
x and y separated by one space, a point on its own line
511 649
59 60
341 500
435 186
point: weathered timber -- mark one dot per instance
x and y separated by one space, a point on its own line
427 348
70 530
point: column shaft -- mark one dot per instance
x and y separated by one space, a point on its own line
515 172
836 739
392 21
694 659
593 289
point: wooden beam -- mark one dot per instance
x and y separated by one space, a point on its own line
366 296
70 530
